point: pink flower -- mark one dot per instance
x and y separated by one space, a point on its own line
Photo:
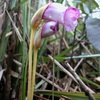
49 28
54 12
70 18
59 13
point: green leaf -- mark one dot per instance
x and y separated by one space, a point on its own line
19 4
43 47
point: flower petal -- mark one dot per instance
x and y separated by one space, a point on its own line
49 28
54 12
70 18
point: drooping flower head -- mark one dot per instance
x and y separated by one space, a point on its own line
49 28
66 16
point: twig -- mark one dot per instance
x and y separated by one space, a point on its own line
40 97
17 62
50 82
61 67
68 84
70 81
78 64
87 90
65 42
45 84
14 26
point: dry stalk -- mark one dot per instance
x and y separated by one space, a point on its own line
50 82
62 68
87 90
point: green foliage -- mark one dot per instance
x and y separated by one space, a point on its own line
74 96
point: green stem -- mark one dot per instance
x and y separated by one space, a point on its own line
30 66
34 71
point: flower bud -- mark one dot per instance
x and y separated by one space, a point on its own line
37 18
49 28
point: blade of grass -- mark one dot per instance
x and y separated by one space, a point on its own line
18 5
24 50
78 57
90 82
4 39
43 47
74 96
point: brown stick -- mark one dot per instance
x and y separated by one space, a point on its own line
86 89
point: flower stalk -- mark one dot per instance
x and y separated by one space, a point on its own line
34 72
30 66
37 44
35 23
